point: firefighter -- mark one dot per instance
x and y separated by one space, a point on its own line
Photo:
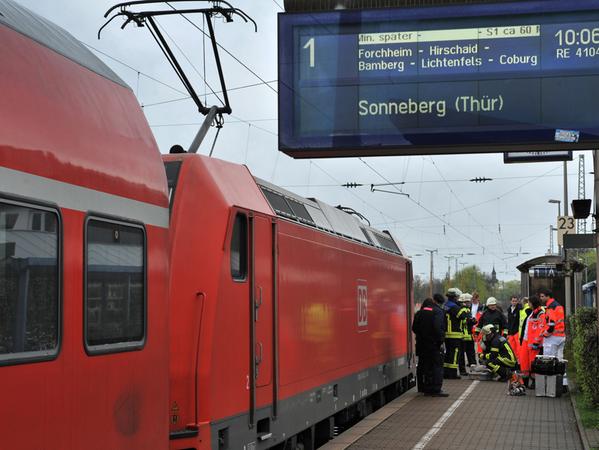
532 339
467 342
497 354
554 336
429 327
453 334
492 316
513 322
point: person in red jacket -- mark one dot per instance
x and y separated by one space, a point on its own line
532 339
555 332
513 323
476 311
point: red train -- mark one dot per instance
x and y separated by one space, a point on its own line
192 308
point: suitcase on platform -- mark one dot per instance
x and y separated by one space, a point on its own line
548 385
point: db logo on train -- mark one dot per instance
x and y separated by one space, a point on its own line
362 305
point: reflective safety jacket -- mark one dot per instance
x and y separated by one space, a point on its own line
535 326
524 313
498 351
467 322
454 314
554 315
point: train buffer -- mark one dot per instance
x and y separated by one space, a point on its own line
478 415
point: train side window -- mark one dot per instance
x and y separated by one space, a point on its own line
115 286
36 221
239 245
29 284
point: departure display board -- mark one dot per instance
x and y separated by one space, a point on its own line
454 79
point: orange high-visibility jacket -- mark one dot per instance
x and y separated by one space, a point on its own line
554 315
535 326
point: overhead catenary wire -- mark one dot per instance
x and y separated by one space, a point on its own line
427 209
493 199
187 97
165 84
359 198
465 208
156 80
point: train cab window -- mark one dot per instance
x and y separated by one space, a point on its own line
115 286
239 244
29 285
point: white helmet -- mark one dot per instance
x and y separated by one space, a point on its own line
491 301
488 329
465 297
454 292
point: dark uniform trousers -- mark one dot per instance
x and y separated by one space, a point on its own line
468 349
452 354
429 372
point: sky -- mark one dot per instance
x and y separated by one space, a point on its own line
499 223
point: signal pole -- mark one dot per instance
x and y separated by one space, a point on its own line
567 277
430 286
596 210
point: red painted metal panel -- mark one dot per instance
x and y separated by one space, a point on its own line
320 278
62 121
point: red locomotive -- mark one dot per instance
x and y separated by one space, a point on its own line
251 318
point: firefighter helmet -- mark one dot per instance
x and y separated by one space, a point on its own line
465 297
453 292
491 301
488 329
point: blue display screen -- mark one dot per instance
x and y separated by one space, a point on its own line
455 79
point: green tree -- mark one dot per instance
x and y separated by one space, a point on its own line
589 259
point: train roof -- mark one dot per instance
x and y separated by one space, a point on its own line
53 37
71 124
317 214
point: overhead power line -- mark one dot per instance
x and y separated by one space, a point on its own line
431 181
187 97
277 3
428 210
135 70
156 80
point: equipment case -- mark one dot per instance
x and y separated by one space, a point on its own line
548 385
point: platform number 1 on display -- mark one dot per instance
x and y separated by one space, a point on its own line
310 47
362 305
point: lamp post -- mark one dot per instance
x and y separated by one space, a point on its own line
430 287
559 210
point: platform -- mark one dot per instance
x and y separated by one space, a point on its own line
478 415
